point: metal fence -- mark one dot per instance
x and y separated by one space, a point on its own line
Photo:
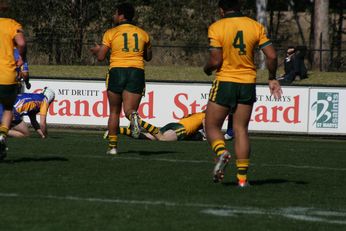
67 53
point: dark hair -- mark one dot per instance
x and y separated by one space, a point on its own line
228 5
127 10
4 5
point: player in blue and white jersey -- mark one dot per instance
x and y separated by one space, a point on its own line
31 104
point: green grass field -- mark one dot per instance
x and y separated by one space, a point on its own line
66 182
177 73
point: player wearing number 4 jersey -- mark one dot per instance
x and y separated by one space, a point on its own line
232 42
130 46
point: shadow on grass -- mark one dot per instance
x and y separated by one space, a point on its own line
149 153
33 159
268 182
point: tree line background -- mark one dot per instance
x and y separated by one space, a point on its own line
61 31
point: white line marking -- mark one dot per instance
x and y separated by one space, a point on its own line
209 162
296 213
303 167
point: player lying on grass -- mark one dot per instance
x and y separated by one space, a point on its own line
190 127
30 104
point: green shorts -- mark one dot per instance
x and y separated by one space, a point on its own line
231 94
8 95
122 78
178 128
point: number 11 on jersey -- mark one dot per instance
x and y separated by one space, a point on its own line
126 45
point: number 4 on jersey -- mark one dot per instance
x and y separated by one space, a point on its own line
238 43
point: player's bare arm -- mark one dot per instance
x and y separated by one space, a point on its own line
272 63
43 125
36 125
148 54
20 42
100 51
214 62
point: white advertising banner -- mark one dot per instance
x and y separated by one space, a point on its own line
84 102
287 114
327 111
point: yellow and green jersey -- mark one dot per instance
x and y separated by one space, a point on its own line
237 36
8 30
127 43
193 122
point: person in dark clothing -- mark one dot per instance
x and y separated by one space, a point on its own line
294 66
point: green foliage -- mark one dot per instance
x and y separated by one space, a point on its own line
58 29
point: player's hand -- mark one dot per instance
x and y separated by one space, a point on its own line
19 62
95 49
275 88
207 71
23 75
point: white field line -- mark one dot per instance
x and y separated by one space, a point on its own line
209 162
296 213
303 167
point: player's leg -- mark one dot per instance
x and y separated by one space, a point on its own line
125 131
150 128
143 135
115 102
8 96
115 82
131 103
229 131
133 91
241 118
171 132
215 116
222 99
19 130
169 135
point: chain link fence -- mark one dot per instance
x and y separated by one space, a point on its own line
68 53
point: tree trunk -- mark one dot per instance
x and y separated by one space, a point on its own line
296 18
339 37
261 6
321 35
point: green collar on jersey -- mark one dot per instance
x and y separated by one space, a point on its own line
125 22
233 14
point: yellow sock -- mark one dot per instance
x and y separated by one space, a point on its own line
3 130
112 141
149 127
219 147
125 131
242 167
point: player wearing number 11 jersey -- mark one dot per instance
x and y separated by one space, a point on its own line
130 46
232 42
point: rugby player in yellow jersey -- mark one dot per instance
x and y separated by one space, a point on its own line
232 42
130 46
190 127
11 35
